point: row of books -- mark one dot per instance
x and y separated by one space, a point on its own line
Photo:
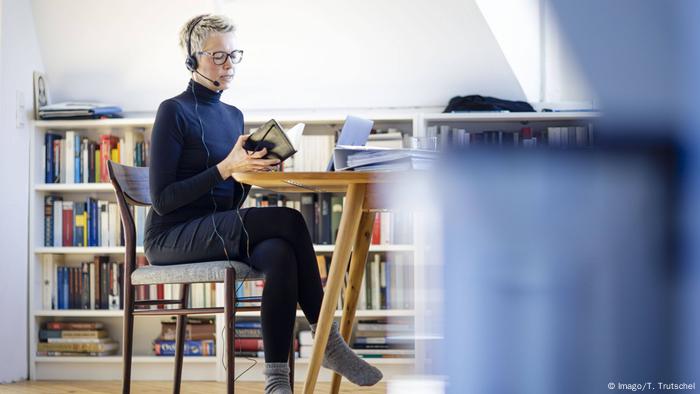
200 338
551 136
57 338
322 212
387 284
97 223
383 338
87 223
248 342
201 295
95 284
314 153
72 158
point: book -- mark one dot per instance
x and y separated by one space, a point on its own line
76 354
191 348
49 218
76 347
192 331
51 175
91 334
308 212
78 340
336 213
271 136
67 223
324 223
69 156
50 264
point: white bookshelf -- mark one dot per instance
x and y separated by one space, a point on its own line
428 262
413 121
147 328
139 249
480 121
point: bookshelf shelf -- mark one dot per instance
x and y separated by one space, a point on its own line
74 187
197 360
372 248
139 250
118 359
141 121
370 360
83 250
359 313
78 313
510 117
119 313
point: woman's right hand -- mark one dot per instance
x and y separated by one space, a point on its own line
239 160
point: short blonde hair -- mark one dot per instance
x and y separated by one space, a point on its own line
204 25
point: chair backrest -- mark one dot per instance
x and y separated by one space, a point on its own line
132 188
132 182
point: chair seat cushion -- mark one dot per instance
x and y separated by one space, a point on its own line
209 271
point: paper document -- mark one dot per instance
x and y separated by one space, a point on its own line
363 158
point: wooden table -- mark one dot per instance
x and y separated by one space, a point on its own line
354 234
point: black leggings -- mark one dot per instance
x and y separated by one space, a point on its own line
281 247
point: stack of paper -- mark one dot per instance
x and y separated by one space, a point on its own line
78 110
362 158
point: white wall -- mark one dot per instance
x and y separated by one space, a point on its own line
19 56
516 25
529 35
310 54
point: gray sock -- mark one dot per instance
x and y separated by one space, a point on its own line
277 378
341 359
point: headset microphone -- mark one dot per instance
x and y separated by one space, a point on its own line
216 83
191 60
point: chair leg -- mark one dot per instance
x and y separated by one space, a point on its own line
180 327
128 336
229 317
291 360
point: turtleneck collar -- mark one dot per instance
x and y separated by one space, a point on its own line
204 94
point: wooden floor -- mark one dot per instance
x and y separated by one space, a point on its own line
141 387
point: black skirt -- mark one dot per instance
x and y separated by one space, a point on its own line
196 240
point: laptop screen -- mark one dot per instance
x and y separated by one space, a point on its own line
355 132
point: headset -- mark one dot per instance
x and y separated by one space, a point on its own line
191 64
191 60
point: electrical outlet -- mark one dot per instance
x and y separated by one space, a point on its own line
21 113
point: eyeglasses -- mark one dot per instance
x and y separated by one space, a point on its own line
220 57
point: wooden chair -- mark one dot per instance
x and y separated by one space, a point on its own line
132 188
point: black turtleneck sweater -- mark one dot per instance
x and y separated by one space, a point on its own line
181 174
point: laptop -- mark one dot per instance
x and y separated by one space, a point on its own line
355 132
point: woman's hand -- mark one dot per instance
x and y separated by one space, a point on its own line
239 160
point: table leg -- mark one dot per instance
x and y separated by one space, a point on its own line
349 222
352 291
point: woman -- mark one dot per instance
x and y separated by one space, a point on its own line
196 144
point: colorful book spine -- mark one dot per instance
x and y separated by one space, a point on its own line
191 348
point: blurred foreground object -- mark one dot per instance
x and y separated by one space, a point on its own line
560 268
